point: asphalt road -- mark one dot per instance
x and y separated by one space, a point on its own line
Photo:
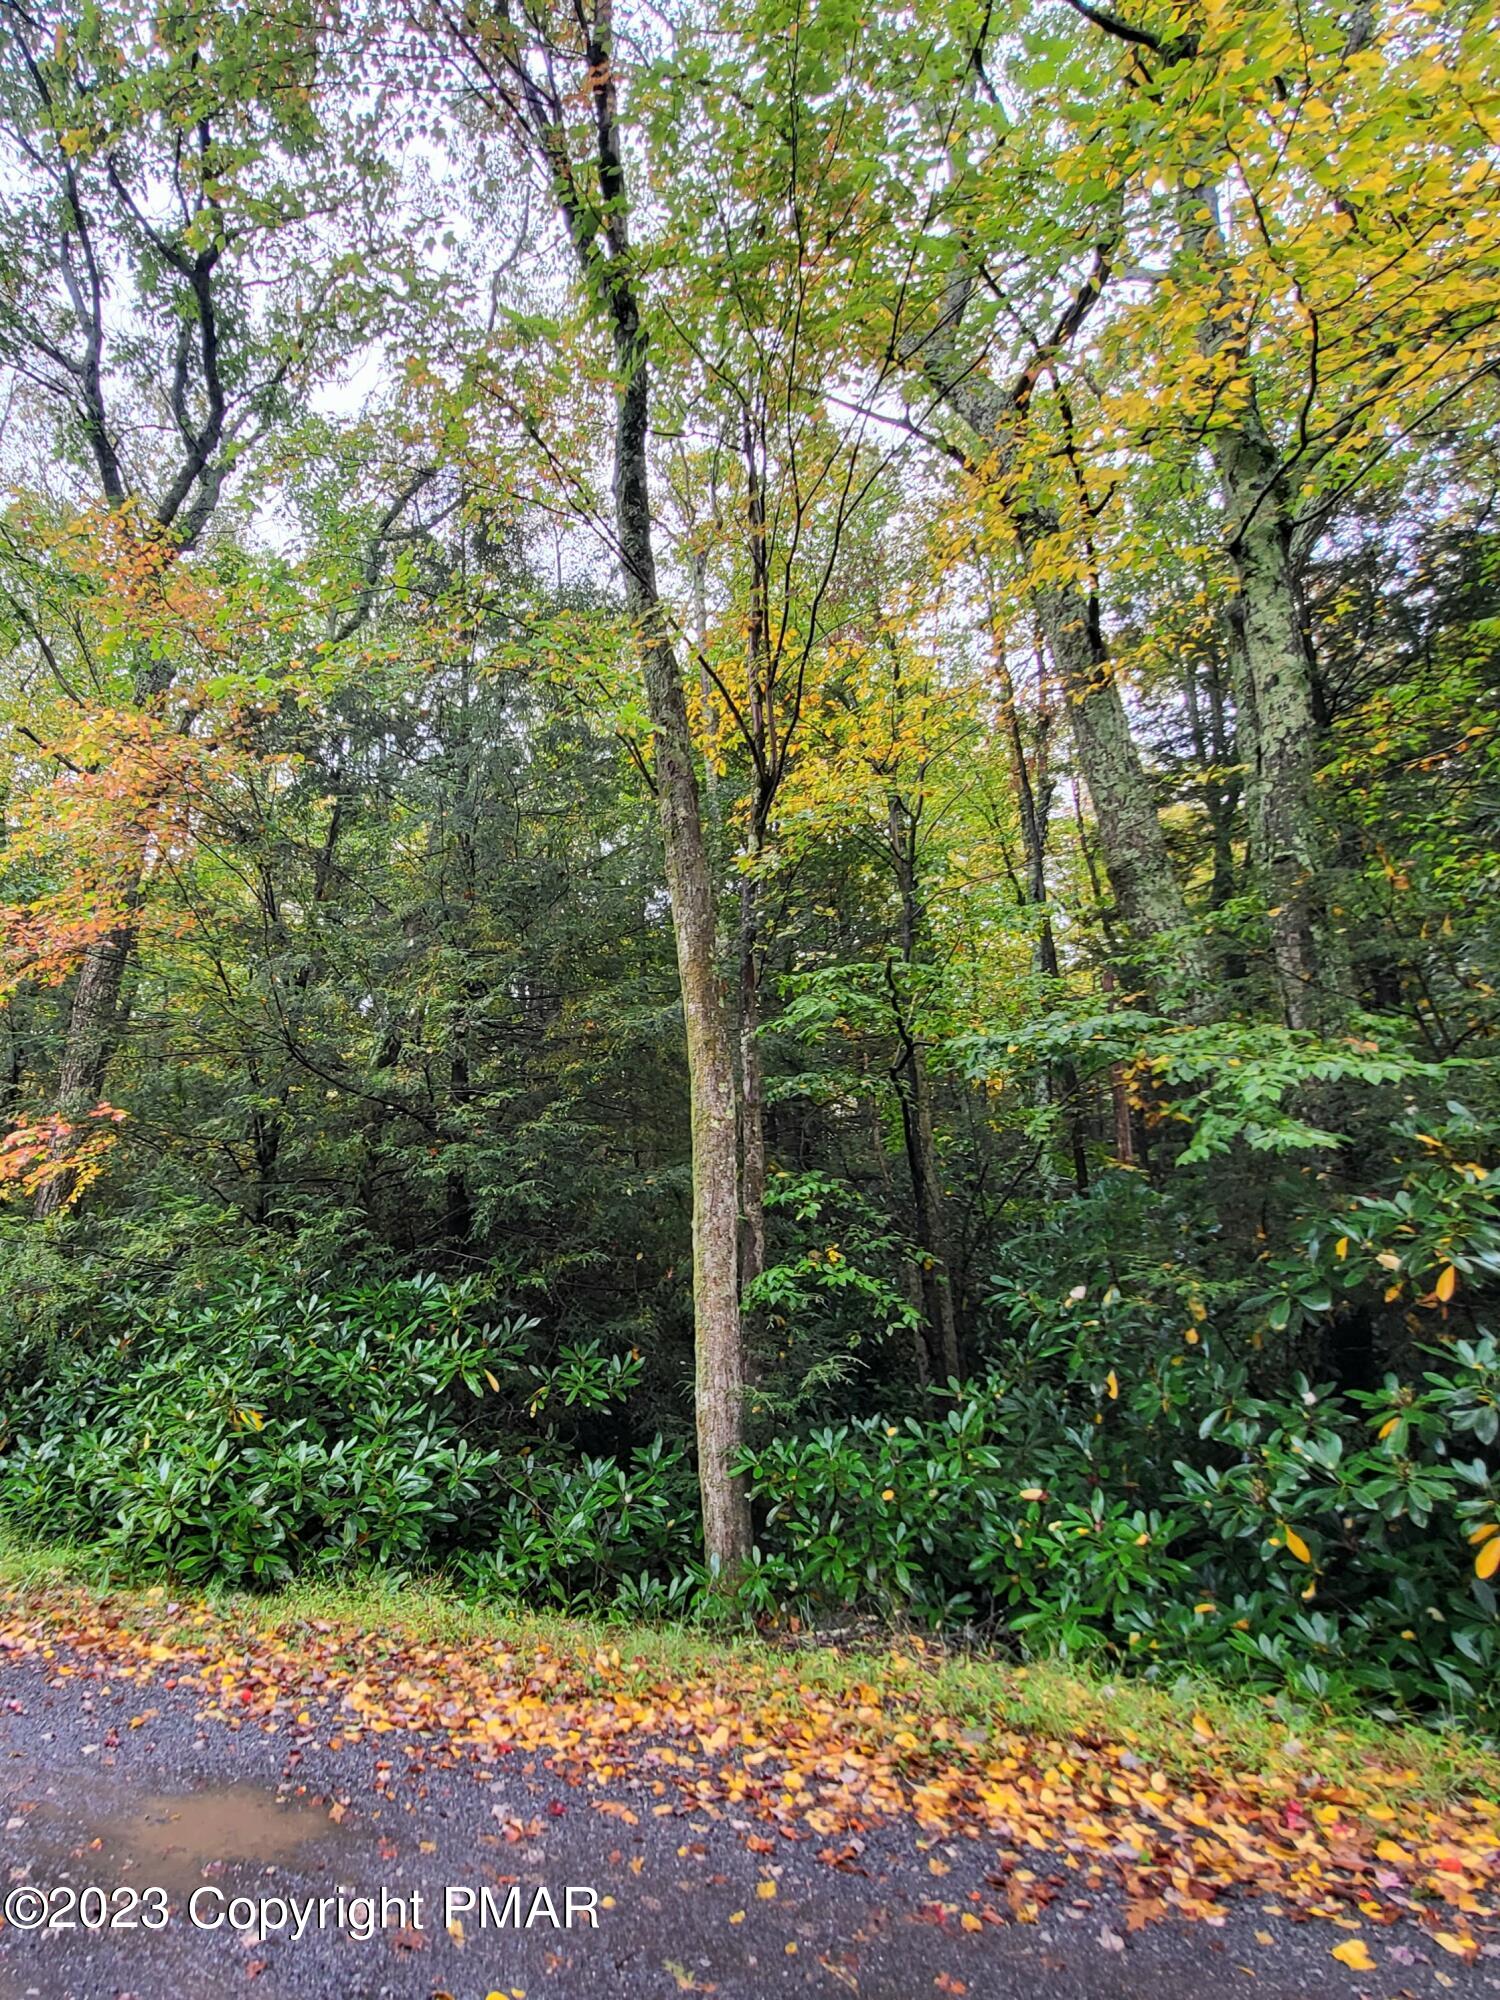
126 1791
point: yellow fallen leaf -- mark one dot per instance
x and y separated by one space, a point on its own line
765 1890
1354 1953
1447 1283
1460 1947
737 1917
1488 1559
970 1922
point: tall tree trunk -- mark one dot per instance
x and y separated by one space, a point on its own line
711 1068
710 1053
752 1091
1285 839
758 704
1136 860
1033 792
87 1046
1279 723
1141 876
914 1095
517 64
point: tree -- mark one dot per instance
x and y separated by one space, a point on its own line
159 248
514 67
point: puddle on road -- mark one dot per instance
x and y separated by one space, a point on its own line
174 1837
232 1823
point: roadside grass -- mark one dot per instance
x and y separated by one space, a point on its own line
1180 1724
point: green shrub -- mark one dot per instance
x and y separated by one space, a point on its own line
265 1429
1318 1541
1120 1482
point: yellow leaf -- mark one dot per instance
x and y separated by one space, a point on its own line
765 1890
492 1380
1482 1534
1355 1954
1488 1560
1297 1546
970 1922
1202 1726
1460 1947
1033 1493
889 1493
1388 1426
1112 1383
1341 1248
1447 1283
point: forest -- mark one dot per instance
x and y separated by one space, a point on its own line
751 773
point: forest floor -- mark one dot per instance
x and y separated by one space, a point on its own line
739 1820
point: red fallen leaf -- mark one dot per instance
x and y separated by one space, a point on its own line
946 1983
757 1845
